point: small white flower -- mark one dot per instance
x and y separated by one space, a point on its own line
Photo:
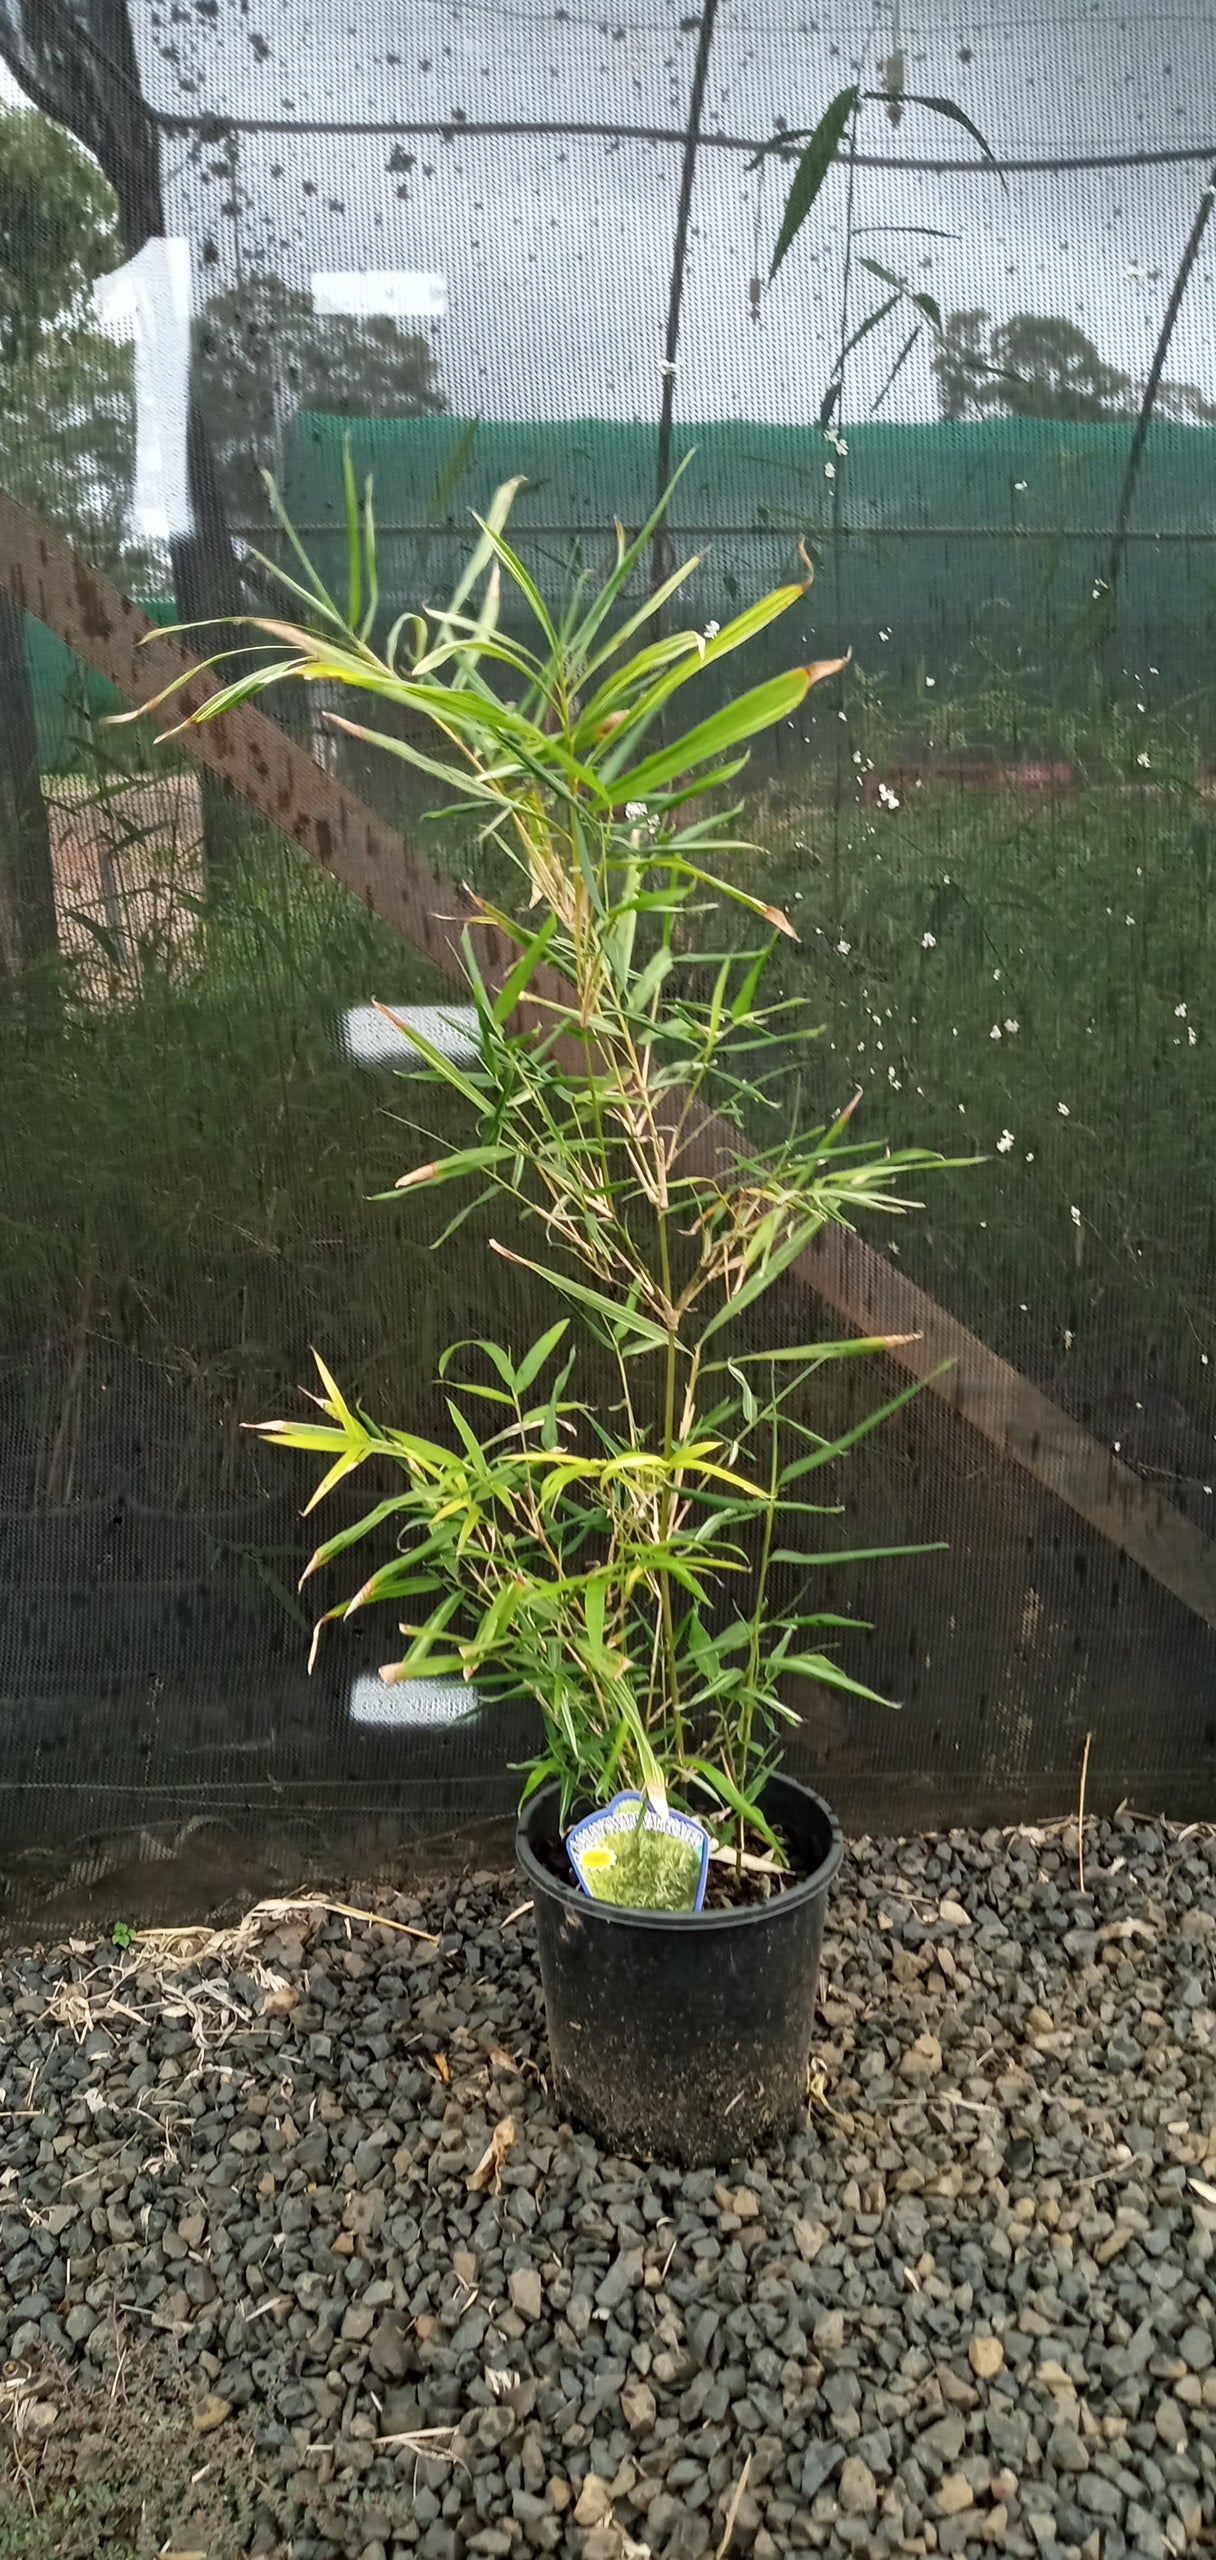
667 368
829 471
711 630
884 635
930 682
1191 1035
1030 1159
1075 1215
1203 1358
1011 1026
928 942
889 798
1142 757
1004 1142
1067 1337
1020 484
995 1032
1062 1108
844 949
1180 1013
635 809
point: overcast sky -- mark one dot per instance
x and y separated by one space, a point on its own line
556 253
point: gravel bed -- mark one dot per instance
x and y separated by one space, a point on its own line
318 2172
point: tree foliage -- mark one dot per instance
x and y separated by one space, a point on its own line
58 233
1033 366
67 425
262 353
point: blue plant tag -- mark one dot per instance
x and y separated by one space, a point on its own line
631 1853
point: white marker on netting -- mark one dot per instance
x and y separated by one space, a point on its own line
409 1703
373 1041
391 293
148 301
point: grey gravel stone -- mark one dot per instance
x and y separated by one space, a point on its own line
816 2312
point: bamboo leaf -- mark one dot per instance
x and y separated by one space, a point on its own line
524 969
746 717
449 478
446 1169
811 171
727 1793
693 651
627 558
955 115
373 581
318 593
817 1666
456 777
491 524
769 1270
618 1317
903 290
854 1555
823 1457
522 578
534 1360
354 555
344 1538
444 1067
344 1466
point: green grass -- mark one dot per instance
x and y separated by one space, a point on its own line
185 1177
1032 980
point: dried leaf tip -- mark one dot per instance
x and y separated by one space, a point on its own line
822 667
779 921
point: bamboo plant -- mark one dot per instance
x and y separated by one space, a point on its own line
614 1557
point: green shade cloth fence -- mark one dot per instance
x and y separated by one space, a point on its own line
935 535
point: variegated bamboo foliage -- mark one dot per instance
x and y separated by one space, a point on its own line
615 1559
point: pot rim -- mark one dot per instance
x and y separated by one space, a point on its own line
620 1914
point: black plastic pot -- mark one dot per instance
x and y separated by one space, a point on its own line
679 2035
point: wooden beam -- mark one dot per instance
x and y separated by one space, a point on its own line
250 753
1015 1417
282 782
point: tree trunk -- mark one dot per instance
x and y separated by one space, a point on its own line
28 932
207 587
